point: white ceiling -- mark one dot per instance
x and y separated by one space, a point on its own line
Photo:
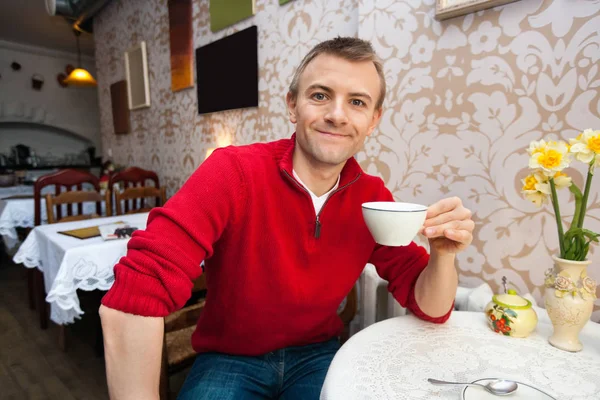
28 22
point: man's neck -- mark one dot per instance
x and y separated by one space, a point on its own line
318 177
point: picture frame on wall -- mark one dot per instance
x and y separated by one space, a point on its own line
181 44
445 9
120 107
136 71
224 13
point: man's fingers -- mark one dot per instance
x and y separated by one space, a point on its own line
459 236
438 230
443 206
458 214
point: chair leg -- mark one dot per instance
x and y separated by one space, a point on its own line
40 295
99 345
63 332
164 389
31 287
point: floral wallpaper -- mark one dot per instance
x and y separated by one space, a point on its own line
465 98
170 137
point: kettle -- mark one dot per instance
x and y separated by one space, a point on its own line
510 314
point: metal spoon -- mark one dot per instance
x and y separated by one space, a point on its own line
498 387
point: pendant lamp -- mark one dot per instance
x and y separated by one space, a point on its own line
79 76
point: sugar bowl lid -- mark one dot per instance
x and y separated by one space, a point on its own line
511 300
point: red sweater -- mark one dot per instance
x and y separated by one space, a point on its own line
275 273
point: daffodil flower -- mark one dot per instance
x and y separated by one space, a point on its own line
536 186
548 159
535 189
586 147
551 157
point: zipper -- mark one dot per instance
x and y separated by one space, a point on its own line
318 224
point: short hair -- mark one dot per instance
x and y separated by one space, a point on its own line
348 48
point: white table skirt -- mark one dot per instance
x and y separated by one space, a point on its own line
392 359
69 263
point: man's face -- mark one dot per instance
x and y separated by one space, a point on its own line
335 109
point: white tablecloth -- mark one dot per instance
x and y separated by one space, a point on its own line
392 359
20 212
69 263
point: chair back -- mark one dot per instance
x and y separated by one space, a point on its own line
139 195
67 179
69 198
177 347
132 177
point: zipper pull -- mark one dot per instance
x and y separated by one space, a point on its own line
318 228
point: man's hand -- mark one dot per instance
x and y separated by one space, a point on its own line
448 226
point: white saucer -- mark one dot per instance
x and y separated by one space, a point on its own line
524 392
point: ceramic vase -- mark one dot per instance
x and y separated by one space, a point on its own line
569 299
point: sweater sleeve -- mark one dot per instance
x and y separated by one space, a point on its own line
401 267
156 275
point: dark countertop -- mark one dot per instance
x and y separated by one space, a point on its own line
40 167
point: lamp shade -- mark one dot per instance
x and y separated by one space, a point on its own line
80 77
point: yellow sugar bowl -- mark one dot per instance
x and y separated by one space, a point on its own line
511 315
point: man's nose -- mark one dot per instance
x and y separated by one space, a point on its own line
337 113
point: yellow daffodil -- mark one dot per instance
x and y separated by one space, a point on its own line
551 157
562 180
536 186
535 189
548 159
586 146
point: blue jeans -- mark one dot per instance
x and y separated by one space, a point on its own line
287 374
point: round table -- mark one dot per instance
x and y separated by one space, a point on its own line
392 359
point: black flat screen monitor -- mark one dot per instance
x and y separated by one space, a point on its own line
227 72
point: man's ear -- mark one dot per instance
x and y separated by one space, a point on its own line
376 117
291 104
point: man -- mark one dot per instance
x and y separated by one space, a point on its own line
280 228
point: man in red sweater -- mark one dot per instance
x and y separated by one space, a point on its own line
280 229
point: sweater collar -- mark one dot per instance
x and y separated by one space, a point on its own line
350 172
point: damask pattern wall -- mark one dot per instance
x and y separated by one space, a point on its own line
170 136
466 96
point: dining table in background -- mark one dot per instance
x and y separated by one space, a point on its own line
17 211
393 359
69 263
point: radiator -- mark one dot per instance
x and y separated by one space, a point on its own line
375 303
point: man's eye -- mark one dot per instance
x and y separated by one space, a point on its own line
319 96
358 103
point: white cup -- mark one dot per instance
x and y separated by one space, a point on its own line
392 223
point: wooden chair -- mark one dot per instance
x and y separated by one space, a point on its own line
132 177
69 198
67 179
139 196
177 346
179 326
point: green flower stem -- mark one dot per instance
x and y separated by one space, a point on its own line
586 193
559 224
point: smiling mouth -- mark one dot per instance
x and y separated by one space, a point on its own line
331 134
